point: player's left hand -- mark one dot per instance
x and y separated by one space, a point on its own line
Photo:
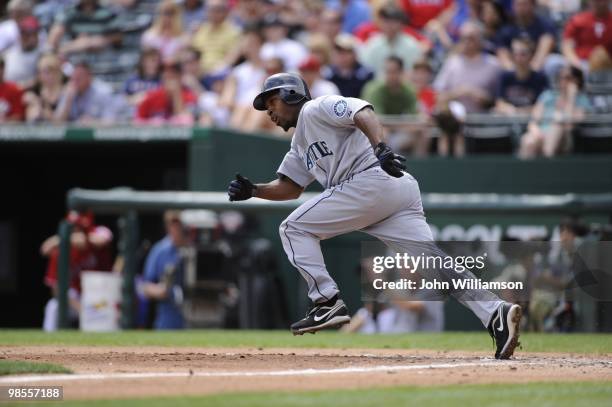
390 162
240 189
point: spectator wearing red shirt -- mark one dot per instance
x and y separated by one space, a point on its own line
420 12
420 77
12 107
587 31
90 249
171 103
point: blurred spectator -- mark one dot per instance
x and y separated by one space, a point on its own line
89 27
554 115
392 41
470 76
191 70
520 266
311 16
550 305
244 82
447 26
588 32
354 13
11 99
193 15
310 70
121 5
386 312
260 121
248 12
193 79
44 96
391 95
331 23
345 71
9 29
278 45
90 249
398 317
46 10
171 103
519 89
216 37
493 17
22 57
146 78
420 13
85 99
366 30
166 33
320 46
164 275
420 78
560 10
527 24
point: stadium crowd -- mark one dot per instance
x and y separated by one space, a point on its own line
193 62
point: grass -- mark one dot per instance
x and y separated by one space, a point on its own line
590 394
11 367
472 341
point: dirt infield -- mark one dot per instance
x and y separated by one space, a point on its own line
112 372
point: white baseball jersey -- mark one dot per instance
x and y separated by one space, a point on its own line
326 145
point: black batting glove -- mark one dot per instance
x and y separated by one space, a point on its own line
390 162
240 189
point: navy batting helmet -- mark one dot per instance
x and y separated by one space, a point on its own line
292 89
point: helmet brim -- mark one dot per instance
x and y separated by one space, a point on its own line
259 103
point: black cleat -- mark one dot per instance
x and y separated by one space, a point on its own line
504 329
326 315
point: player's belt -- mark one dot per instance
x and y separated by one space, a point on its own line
350 177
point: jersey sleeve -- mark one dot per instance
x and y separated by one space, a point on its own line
294 168
340 111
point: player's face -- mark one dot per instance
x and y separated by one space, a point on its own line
280 113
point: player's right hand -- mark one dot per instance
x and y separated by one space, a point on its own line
240 189
390 162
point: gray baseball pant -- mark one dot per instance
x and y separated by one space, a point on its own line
373 202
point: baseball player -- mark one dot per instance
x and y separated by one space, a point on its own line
338 141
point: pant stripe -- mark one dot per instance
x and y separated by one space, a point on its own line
296 265
291 246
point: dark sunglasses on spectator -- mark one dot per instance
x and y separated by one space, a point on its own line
168 13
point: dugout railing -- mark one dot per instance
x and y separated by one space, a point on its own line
128 204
